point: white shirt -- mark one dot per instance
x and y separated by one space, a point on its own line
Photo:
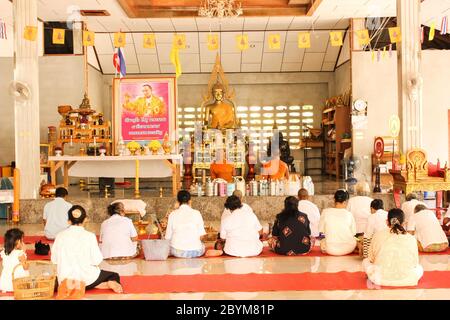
115 237
396 258
313 213
408 209
359 206
376 222
241 231
56 216
427 228
9 262
77 255
184 228
338 225
227 212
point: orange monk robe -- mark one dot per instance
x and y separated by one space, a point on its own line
223 171
275 170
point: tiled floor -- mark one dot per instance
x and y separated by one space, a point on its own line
258 265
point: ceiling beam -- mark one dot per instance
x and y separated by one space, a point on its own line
313 7
189 8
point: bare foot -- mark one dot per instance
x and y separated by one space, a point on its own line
115 286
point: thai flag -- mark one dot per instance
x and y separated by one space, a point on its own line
119 63
444 26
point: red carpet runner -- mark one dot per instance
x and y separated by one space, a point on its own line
265 282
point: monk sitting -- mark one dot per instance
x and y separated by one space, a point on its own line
275 169
220 169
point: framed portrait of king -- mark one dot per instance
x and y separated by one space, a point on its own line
144 109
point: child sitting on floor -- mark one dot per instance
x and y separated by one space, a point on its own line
13 255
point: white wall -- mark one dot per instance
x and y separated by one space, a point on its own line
342 78
376 82
61 82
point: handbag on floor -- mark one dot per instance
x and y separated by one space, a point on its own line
41 249
71 289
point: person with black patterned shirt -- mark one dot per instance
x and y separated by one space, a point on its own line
291 233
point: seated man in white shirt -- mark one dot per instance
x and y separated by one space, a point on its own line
409 205
311 210
359 206
375 223
185 229
429 234
338 226
56 214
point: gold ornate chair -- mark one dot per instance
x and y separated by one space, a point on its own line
415 177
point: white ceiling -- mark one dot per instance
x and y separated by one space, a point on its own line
331 15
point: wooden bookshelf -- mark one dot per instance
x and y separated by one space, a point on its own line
336 123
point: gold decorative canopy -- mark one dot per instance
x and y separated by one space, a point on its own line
218 76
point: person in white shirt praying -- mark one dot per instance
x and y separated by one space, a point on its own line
409 205
241 230
393 255
359 206
338 226
311 210
77 256
377 220
185 229
429 234
118 236
55 214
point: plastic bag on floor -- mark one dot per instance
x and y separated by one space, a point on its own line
156 249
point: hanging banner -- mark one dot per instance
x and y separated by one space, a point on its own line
58 36
363 37
304 40
242 42
175 60
149 41
395 34
336 38
213 42
88 38
179 41
120 40
432 31
30 33
274 41
444 25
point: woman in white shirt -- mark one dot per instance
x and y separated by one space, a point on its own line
427 229
339 227
376 222
118 236
185 229
393 255
241 230
77 256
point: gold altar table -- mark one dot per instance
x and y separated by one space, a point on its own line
145 166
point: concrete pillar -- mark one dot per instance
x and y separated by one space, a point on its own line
409 54
26 113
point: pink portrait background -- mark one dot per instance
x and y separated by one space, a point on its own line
132 125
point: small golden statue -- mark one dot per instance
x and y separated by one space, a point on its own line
218 108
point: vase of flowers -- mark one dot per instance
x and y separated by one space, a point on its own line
133 146
58 151
154 146
167 146
102 150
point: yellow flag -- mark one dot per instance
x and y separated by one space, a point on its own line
213 42
179 41
363 37
149 41
30 33
274 41
175 59
336 38
242 42
395 34
88 38
432 31
304 40
58 36
120 40
373 55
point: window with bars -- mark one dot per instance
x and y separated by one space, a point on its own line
290 120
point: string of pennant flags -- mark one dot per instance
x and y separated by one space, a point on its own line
242 41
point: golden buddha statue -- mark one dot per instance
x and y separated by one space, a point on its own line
220 114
